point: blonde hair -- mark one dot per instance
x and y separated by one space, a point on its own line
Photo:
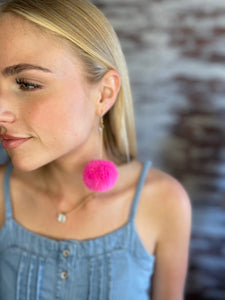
85 26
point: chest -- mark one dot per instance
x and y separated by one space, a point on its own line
96 218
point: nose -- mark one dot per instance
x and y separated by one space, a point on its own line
6 116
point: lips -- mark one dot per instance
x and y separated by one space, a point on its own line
12 142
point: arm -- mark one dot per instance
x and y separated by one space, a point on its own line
172 246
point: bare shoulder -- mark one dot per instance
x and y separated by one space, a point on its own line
2 206
167 190
164 209
164 192
160 188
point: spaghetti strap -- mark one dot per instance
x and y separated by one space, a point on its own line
8 207
140 185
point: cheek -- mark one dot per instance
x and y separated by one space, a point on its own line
42 115
60 116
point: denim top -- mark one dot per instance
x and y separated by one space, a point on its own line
115 266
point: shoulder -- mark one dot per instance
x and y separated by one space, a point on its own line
164 209
165 192
168 210
159 188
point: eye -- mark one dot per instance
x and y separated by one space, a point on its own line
27 86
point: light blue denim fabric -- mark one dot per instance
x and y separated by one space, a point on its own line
3 155
115 266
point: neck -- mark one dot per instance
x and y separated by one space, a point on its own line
64 184
66 173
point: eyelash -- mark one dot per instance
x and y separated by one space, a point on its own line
27 86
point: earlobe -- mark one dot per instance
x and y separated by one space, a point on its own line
110 86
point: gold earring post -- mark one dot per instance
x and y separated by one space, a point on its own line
100 130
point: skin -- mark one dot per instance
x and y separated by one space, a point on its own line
48 166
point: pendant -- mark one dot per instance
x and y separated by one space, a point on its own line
61 217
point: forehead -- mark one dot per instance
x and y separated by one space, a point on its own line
14 28
23 41
11 19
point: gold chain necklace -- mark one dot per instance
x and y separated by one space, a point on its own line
62 216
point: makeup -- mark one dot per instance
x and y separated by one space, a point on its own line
10 142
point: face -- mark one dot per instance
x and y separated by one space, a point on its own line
47 108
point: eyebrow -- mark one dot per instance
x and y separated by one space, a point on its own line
16 69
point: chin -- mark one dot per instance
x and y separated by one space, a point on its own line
25 164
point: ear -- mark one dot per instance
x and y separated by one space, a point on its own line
109 89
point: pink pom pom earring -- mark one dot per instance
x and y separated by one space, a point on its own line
100 175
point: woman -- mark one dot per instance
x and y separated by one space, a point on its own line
67 230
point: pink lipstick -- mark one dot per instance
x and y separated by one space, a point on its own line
11 142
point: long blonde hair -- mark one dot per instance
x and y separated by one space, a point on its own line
84 25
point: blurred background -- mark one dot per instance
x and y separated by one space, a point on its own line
175 51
